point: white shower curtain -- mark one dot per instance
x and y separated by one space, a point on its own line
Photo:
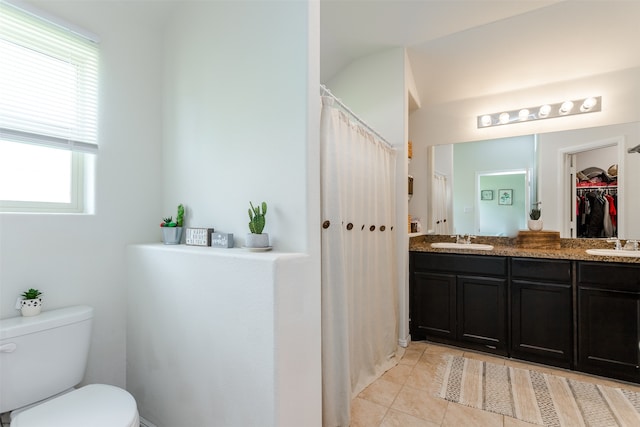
359 299
440 203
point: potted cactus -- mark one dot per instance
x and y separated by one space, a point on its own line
535 223
257 239
172 230
31 303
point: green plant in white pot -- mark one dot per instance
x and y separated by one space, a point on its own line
172 230
535 223
257 239
31 303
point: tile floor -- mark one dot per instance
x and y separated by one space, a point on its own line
402 397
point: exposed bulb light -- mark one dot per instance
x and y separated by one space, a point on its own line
523 114
588 104
544 111
566 107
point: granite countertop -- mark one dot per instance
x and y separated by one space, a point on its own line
570 249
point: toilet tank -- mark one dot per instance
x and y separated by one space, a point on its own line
42 355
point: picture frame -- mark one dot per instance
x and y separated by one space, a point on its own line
505 197
486 195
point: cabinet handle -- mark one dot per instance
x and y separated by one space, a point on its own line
493 347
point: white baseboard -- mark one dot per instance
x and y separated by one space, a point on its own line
404 342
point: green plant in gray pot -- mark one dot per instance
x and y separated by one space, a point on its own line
257 239
31 303
172 230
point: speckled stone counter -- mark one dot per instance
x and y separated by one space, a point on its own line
571 249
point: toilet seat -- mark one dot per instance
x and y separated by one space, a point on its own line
95 405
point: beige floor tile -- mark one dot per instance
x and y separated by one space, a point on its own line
366 414
381 391
460 415
443 349
417 345
424 377
432 359
398 374
411 357
400 419
420 404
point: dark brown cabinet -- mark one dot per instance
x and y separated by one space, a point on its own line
541 311
459 299
572 314
609 320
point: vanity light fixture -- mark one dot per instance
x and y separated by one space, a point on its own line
546 111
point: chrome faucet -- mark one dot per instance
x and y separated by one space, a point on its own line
631 245
464 239
617 246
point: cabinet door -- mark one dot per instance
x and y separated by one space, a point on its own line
432 306
609 333
541 319
482 313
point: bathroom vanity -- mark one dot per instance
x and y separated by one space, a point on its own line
560 307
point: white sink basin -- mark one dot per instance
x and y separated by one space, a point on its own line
470 246
613 252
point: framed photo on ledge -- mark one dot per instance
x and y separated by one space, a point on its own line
486 195
505 197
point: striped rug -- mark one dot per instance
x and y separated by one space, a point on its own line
536 397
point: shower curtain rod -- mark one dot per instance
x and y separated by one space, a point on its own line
326 91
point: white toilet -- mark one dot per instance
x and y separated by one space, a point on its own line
41 359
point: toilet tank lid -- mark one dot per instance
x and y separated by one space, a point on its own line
18 326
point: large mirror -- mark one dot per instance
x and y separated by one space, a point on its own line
467 195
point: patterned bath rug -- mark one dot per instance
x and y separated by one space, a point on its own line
535 397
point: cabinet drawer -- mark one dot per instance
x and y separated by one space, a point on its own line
541 269
623 277
459 264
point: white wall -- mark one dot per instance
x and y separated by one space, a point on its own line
456 121
222 337
79 259
235 119
240 123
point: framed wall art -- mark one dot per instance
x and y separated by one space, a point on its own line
486 195
505 197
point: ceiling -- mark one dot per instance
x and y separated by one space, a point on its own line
462 49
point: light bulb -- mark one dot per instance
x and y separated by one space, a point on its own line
544 111
523 114
588 104
504 118
485 120
566 107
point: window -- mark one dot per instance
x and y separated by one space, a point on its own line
48 112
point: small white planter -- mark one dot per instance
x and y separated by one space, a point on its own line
31 307
257 240
534 224
171 235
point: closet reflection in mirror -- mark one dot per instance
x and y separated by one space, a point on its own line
551 162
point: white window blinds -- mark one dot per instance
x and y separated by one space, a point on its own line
48 83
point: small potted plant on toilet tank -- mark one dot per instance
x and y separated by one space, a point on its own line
31 303
257 239
172 230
